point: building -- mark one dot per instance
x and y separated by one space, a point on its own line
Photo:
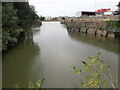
108 13
59 18
48 18
104 12
85 13
78 14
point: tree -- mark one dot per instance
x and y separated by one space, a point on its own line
25 14
10 25
17 17
63 18
42 18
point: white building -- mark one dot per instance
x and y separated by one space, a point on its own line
48 18
78 14
109 13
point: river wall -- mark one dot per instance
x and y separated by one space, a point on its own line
93 25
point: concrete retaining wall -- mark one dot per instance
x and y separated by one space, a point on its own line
104 33
91 25
91 31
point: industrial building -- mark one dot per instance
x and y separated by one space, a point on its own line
85 13
99 12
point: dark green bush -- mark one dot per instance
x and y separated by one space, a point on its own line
17 17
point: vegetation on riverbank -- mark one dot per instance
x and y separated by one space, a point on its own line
113 24
17 18
42 18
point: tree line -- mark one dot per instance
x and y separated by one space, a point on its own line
17 18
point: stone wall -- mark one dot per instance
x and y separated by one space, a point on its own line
91 25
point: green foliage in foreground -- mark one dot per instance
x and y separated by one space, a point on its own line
95 74
31 85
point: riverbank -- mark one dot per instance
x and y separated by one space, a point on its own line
106 26
22 36
37 23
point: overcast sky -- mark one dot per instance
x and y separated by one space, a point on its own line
70 7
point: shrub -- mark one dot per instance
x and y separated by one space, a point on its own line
63 18
37 84
93 75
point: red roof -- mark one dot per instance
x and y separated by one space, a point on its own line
102 10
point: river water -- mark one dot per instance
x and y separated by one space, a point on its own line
51 53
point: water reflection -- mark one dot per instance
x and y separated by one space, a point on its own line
109 44
18 61
36 30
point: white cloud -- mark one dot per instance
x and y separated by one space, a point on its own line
70 7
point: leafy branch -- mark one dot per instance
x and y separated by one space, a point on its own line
94 73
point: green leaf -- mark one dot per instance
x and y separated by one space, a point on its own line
30 85
95 74
87 77
93 60
103 67
78 71
104 83
74 67
87 68
39 83
85 86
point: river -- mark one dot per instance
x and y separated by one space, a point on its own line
51 53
